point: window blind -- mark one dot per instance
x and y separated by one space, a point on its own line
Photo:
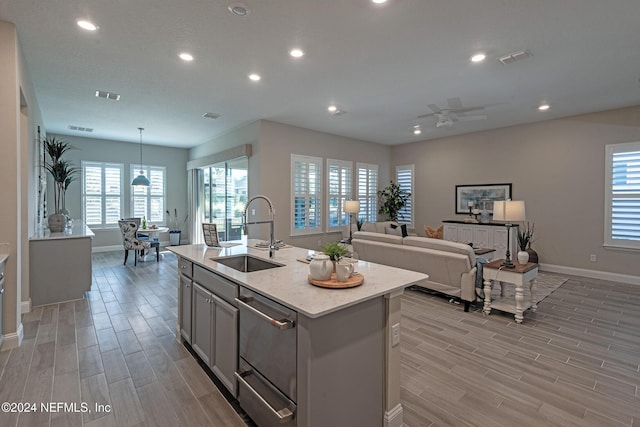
306 195
404 178
622 227
339 182
101 193
368 191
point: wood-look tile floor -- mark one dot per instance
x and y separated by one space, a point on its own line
116 347
574 362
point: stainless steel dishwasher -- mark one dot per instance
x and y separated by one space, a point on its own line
267 369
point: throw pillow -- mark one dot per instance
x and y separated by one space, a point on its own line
403 229
395 231
434 233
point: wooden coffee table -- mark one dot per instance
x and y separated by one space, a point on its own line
519 275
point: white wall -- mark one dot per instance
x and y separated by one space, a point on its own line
555 166
91 149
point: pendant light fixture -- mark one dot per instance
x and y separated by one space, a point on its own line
141 180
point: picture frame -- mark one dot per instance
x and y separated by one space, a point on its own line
210 231
478 194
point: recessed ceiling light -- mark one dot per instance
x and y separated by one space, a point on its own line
254 77
378 1
332 109
544 107
417 131
478 57
238 8
87 25
185 56
296 53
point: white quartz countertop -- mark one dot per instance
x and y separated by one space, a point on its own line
289 285
78 230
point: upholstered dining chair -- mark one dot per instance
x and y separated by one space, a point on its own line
130 241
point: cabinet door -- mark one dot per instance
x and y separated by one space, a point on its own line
465 234
185 308
202 320
224 357
481 237
500 242
450 233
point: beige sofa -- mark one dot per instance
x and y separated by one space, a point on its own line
451 266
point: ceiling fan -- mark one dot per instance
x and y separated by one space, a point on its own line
455 113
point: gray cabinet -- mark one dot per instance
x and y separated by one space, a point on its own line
202 322
224 355
214 323
185 307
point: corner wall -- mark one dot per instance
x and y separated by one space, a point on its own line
557 167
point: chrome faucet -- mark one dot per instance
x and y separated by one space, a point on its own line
272 242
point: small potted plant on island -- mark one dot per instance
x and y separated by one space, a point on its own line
335 251
175 227
525 237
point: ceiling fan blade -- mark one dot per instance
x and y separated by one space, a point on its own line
455 103
434 108
473 117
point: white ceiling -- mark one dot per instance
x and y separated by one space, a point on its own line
381 64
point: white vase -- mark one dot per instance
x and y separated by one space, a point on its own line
321 267
523 257
57 222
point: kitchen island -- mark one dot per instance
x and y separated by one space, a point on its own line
292 353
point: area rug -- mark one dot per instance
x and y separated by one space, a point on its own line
545 285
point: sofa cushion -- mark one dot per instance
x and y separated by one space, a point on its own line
442 245
378 237
369 227
397 231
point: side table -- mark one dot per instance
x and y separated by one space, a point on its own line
519 275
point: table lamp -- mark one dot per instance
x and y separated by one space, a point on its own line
351 207
509 211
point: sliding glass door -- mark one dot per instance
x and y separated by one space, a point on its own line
225 196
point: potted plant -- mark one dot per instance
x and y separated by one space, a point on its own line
392 200
525 237
335 251
175 227
63 174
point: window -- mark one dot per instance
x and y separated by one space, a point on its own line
101 193
149 201
368 191
225 196
622 195
306 195
404 177
339 178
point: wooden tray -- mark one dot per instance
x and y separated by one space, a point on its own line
333 283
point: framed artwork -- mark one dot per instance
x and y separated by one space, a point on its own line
480 196
210 234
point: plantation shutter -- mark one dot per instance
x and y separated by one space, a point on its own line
306 195
101 193
622 228
404 177
339 180
368 191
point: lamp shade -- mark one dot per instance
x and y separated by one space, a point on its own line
351 206
509 210
141 180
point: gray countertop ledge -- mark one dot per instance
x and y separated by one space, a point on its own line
289 284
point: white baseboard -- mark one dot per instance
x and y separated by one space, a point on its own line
25 306
593 274
393 418
14 339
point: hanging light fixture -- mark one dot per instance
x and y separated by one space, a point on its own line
141 180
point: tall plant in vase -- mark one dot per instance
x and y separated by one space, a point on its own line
392 200
63 174
175 227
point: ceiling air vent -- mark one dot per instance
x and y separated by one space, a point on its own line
80 128
108 95
515 56
210 115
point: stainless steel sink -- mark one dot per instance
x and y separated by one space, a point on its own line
246 263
